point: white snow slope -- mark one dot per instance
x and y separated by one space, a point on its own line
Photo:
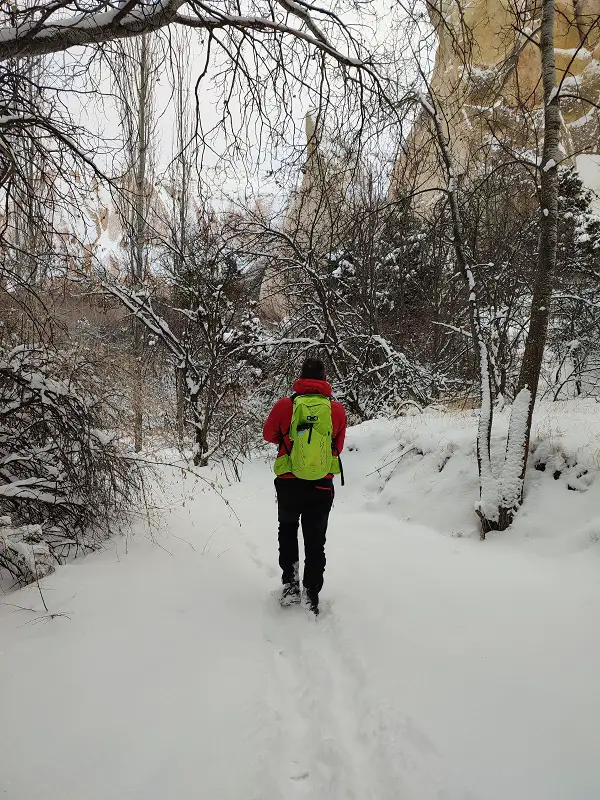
441 667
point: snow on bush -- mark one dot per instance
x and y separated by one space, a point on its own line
26 550
61 475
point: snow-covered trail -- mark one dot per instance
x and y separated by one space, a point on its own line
440 668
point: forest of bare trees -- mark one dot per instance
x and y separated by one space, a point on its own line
197 196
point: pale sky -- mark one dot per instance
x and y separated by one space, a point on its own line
256 157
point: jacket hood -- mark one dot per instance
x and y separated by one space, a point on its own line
312 386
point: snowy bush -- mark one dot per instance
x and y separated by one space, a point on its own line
61 475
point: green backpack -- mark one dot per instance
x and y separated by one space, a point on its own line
311 433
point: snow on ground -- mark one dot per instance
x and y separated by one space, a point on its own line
426 473
441 668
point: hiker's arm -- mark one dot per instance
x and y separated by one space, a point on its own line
340 434
275 424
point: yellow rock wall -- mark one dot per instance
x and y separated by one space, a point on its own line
487 80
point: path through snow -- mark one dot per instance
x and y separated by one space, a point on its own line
440 669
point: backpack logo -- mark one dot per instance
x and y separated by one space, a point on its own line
312 419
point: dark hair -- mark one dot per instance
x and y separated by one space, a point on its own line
313 368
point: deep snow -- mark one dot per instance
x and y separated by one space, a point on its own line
442 667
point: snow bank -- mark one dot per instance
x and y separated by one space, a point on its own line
423 469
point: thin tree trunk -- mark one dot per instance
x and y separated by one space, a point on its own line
139 222
544 279
527 387
488 485
180 179
180 402
199 419
138 385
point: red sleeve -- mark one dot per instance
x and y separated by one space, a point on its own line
338 417
278 421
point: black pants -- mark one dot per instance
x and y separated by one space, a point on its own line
309 501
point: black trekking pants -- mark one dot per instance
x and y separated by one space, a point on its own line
309 501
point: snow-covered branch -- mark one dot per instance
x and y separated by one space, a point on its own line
58 29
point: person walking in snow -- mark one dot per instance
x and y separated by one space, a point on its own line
309 429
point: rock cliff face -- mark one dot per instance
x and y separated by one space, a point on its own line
89 230
311 220
85 238
486 79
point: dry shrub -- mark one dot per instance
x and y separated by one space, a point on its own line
63 476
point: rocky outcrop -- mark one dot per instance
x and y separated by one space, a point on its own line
89 229
311 220
487 81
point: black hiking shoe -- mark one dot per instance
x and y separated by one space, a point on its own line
310 600
290 594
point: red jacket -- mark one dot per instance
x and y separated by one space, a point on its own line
279 420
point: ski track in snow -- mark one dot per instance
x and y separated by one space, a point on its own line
322 741
325 752
332 736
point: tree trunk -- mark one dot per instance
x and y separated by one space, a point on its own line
138 385
200 434
180 177
134 83
520 429
488 487
180 391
